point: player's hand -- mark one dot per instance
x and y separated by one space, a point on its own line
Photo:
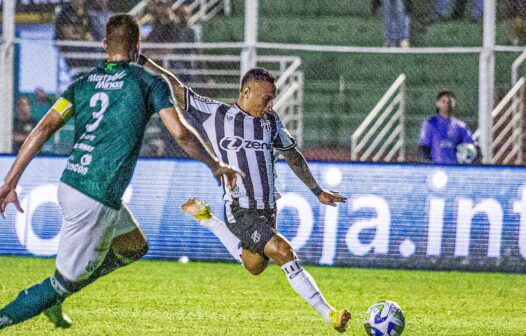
223 171
331 198
8 195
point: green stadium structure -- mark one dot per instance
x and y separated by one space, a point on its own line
342 88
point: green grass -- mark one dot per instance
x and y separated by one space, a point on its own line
168 298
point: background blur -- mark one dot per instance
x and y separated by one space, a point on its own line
353 84
333 61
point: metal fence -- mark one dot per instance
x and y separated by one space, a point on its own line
344 71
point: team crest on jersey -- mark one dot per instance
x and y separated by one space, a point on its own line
108 82
265 124
256 237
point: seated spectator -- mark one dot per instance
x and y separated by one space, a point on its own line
99 14
153 145
23 123
514 14
440 134
396 23
73 23
375 5
40 103
186 34
459 9
172 26
421 17
164 28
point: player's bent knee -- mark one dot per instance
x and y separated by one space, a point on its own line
133 254
256 269
255 266
279 250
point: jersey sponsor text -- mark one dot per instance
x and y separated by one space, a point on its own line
108 82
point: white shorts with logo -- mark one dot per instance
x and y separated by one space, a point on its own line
87 231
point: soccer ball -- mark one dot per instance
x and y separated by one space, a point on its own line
466 153
384 318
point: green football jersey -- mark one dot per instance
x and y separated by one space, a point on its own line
111 106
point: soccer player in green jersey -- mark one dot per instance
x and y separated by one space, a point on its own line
111 106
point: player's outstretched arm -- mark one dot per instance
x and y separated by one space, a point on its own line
51 122
299 166
177 87
190 141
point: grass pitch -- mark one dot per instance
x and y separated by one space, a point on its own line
169 298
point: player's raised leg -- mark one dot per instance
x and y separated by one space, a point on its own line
280 250
202 213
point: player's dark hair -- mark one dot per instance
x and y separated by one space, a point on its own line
122 33
258 74
445 92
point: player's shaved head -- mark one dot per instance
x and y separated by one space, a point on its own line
257 74
122 34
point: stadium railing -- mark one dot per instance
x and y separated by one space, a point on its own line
203 10
515 67
383 127
214 75
507 129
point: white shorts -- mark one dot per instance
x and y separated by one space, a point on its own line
87 231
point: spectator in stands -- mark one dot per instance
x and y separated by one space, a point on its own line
421 17
74 23
187 33
99 14
164 27
440 134
23 123
153 145
396 23
375 5
40 103
459 9
514 14
172 26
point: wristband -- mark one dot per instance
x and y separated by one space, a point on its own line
317 191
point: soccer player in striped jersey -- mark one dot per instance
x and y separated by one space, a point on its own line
246 135
111 106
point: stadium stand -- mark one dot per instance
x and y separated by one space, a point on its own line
340 94
340 89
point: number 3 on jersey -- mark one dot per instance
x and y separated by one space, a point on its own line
97 115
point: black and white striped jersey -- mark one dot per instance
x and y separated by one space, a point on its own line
243 141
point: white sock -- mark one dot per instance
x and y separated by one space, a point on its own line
303 283
227 238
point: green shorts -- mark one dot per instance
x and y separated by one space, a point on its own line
253 227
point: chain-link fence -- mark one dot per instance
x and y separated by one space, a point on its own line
339 88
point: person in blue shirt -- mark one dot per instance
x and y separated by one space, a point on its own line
442 133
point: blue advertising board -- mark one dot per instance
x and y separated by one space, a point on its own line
397 215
